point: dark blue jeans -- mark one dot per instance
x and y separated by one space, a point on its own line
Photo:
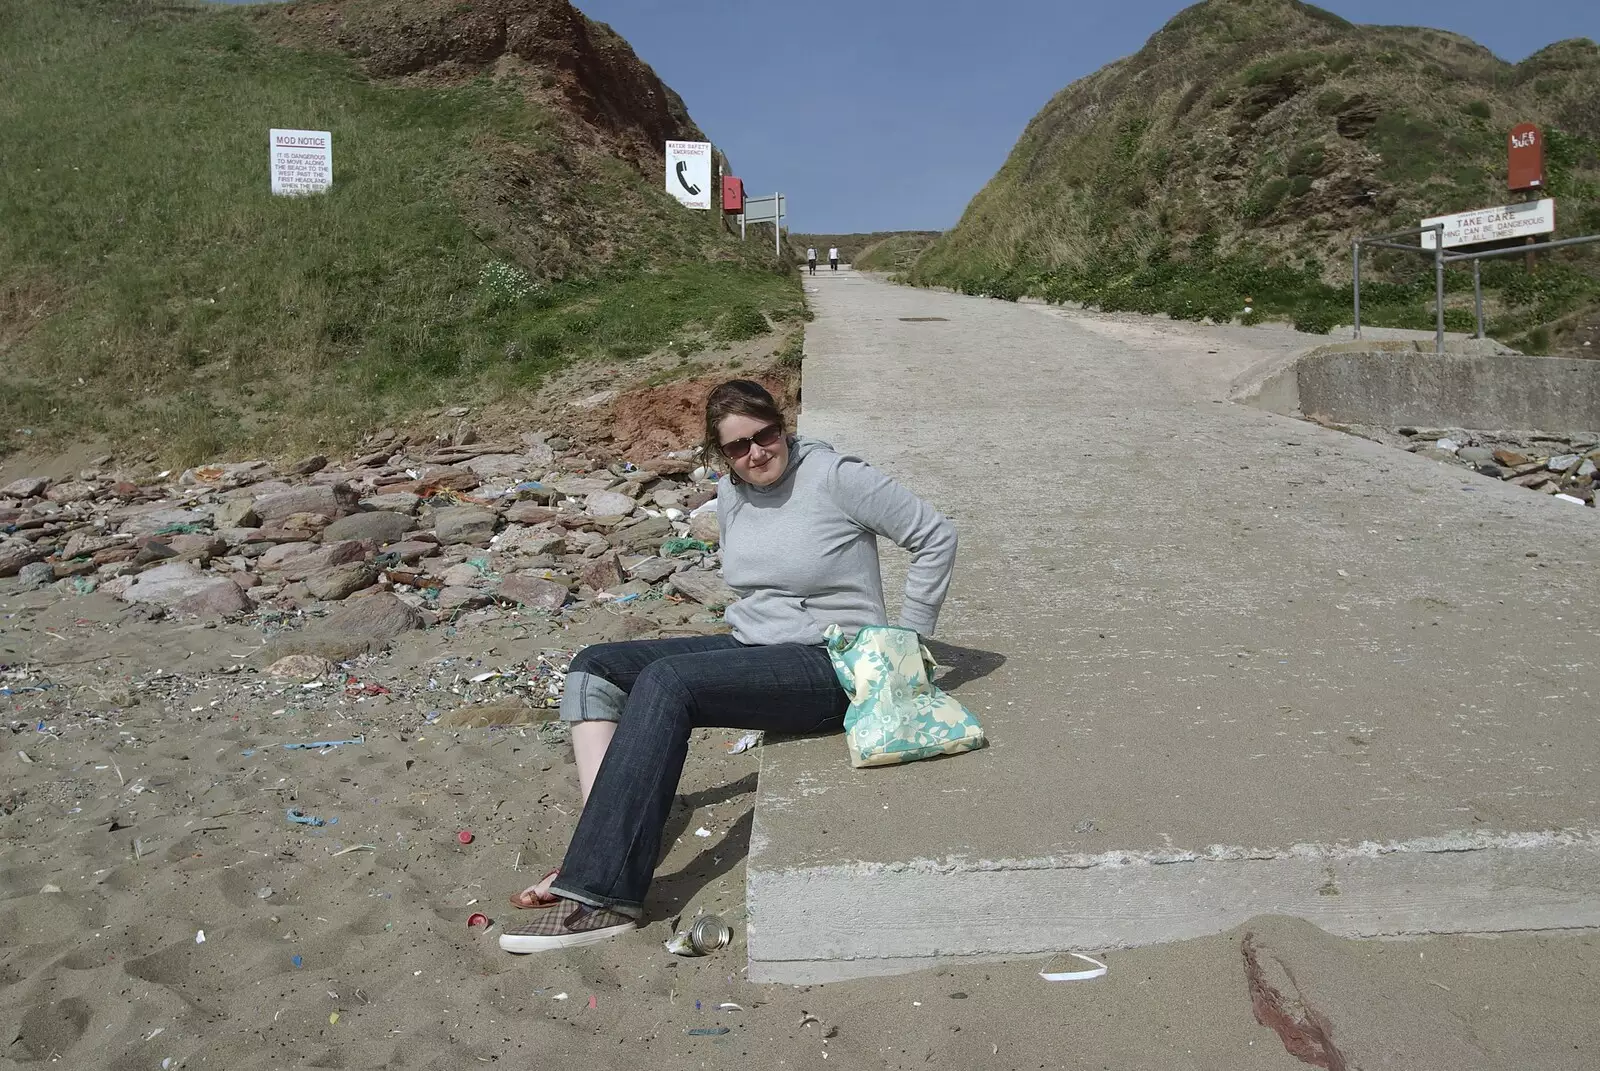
673 687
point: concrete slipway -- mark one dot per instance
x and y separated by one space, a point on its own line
1231 663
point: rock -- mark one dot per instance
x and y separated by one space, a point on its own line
35 575
461 576
1510 458
667 497
87 544
300 667
520 539
653 570
314 463
328 500
1586 467
505 466
171 583
579 486
235 513
531 513
465 524
394 502
1489 468
378 526
72 491
1475 455
603 573
703 586
341 581
450 478
63 570
454 597
705 528
359 626
245 581
27 487
123 552
217 600
411 550
670 466
535 592
207 545
282 555
608 504
1561 462
647 534
151 521
1432 453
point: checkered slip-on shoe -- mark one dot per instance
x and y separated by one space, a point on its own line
568 925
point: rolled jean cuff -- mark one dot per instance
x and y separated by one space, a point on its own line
622 907
587 697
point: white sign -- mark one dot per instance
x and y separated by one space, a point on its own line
1493 224
302 161
766 209
689 172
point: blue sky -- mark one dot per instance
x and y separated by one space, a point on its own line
891 114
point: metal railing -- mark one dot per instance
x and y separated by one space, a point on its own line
1440 260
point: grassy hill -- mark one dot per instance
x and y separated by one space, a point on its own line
1231 160
496 214
895 252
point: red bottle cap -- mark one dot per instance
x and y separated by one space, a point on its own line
465 836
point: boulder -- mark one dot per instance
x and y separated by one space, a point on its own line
453 597
87 544
358 626
394 502
171 583
283 554
450 478
341 581
703 586
502 466
653 569
35 575
531 513
72 491
535 592
27 487
329 500
647 534
603 573
314 463
151 521
411 550
217 600
206 545
521 539
461 576
704 527
235 513
379 526
321 559
608 504
465 524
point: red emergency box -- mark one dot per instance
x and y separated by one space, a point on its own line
1525 153
732 194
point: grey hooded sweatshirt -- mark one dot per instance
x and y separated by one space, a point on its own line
803 552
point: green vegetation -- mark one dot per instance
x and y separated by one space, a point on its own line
895 253
1251 138
152 290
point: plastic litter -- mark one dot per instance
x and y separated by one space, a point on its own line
465 836
320 745
199 937
300 818
745 743
296 960
706 1031
1097 971
673 547
476 919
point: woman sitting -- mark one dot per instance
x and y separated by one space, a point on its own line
799 526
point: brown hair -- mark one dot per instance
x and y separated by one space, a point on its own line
736 397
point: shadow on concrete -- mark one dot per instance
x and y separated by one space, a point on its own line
966 664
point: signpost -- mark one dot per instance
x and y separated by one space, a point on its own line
302 161
1493 224
689 173
1525 158
766 210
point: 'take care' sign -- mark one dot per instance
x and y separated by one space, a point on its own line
302 162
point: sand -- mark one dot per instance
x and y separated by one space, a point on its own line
154 809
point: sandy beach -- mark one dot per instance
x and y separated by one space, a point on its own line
152 807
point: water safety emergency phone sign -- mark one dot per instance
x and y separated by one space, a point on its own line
302 162
689 173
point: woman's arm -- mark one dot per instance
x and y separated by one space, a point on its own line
881 505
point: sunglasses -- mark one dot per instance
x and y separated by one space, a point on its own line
766 438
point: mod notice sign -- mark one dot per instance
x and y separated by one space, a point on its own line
302 162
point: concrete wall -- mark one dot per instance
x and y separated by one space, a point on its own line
1394 385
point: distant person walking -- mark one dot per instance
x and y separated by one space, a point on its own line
833 258
811 260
